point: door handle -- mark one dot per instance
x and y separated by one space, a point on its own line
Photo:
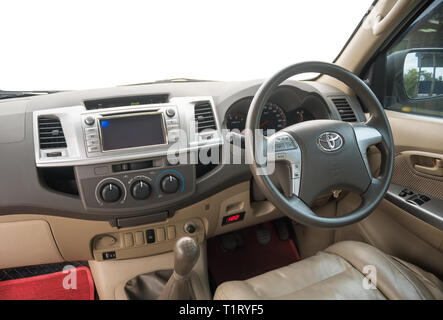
436 170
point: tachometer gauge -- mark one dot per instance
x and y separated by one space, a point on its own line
272 118
236 121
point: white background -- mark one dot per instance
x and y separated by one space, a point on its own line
87 44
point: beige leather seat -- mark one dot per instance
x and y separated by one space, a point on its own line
337 273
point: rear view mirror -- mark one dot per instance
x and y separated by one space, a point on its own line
423 74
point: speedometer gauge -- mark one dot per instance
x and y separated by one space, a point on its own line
272 118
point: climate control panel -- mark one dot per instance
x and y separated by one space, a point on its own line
142 184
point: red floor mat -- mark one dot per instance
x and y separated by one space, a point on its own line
51 286
252 259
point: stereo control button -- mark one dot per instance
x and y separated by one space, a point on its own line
89 120
141 190
170 112
110 192
90 143
93 149
91 131
169 184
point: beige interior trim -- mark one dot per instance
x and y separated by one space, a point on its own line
110 277
385 16
73 237
405 127
27 242
365 43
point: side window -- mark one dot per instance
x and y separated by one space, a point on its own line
408 75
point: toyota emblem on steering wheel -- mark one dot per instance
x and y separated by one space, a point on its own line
329 141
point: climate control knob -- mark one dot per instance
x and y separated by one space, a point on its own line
140 190
169 184
110 192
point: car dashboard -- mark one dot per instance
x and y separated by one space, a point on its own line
117 154
61 135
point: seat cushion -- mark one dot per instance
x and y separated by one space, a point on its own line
339 273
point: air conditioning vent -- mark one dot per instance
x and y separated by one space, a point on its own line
204 116
50 133
344 109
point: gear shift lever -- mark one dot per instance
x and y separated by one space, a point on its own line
186 254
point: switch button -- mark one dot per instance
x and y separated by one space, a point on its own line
150 236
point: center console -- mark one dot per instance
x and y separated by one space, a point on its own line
128 159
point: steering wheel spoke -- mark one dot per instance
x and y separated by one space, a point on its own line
366 136
283 148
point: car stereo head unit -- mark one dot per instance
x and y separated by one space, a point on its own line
132 130
107 132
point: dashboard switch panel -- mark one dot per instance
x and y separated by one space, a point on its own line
141 188
147 240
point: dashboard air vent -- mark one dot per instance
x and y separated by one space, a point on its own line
50 133
204 116
344 109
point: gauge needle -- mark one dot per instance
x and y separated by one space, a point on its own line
263 123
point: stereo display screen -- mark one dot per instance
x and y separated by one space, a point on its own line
131 131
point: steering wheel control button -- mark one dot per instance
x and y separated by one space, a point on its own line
110 192
150 236
169 184
284 143
140 190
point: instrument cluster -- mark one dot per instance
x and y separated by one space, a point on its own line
287 106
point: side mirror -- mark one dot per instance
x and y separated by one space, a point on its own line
423 73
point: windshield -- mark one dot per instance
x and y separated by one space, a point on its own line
53 45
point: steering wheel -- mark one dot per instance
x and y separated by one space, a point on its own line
320 155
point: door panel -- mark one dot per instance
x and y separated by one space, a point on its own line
391 227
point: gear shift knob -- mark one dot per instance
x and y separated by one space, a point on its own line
186 254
